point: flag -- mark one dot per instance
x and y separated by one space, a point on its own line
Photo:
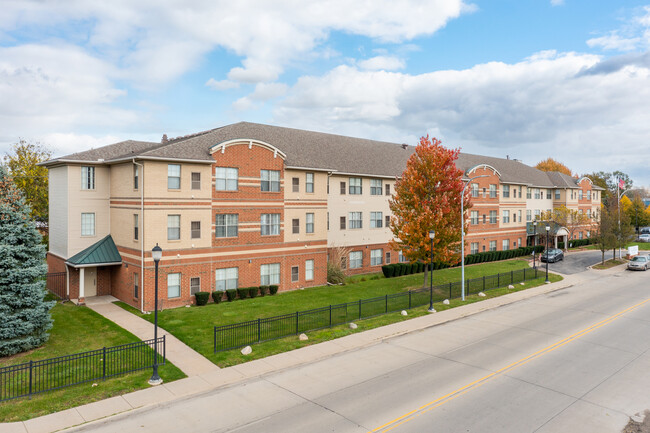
621 183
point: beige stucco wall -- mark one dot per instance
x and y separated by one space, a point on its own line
155 229
298 204
122 181
155 181
58 210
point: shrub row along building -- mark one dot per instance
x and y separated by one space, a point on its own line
250 204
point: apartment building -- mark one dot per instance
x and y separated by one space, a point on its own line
250 204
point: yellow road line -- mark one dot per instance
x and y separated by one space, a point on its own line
479 382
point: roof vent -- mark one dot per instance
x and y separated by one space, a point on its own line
164 139
100 160
404 145
507 156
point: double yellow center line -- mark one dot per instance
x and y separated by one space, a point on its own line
473 385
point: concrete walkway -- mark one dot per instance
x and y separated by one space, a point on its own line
180 354
214 378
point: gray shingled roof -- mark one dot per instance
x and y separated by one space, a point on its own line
315 150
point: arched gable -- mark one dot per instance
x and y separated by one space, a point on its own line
221 147
583 178
484 166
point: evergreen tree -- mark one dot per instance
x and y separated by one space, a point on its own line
24 313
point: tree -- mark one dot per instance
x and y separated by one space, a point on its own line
24 313
637 212
609 181
571 219
549 164
428 197
603 231
30 179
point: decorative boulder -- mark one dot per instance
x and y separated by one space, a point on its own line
481 294
303 337
446 302
353 326
247 350
522 284
432 310
404 313
510 286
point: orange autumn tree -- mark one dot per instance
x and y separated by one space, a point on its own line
549 164
427 197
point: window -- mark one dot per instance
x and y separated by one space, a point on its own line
474 217
270 180
557 194
173 227
309 270
387 222
173 285
506 191
136 176
519 192
493 217
536 193
136 282
195 285
528 192
270 223
537 214
519 214
295 184
519 242
355 185
580 194
493 245
375 257
376 220
356 259
580 235
589 195
529 215
493 191
588 234
87 177
227 179
402 258
514 217
589 213
195 227
355 220
388 257
173 176
196 180
309 183
484 218
135 226
328 221
309 224
473 248
342 225
506 216
342 188
270 274
227 225
375 187
387 188
548 194
505 244
474 190
295 226
87 224
227 278
295 274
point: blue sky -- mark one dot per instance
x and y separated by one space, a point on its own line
530 79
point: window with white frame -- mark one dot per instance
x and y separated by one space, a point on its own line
270 224
309 183
514 216
493 245
536 193
173 176
135 227
580 235
493 191
309 270
88 224
474 190
506 191
548 194
589 213
295 226
473 217
519 192
136 176
174 285
309 223
376 220
375 187
226 179
506 216
493 217
529 215
195 285
376 257
87 177
295 274
538 213
387 188
226 278
356 186
519 214
580 194
356 259
355 220
557 194
195 230
226 225
505 244
473 248
589 195
196 180
136 285
295 184
173 227
270 274
343 188
387 222
388 257
528 192
270 180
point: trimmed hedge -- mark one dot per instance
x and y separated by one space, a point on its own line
231 294
273 289
264 290
217 296
202 298
242 292
399 269
253 291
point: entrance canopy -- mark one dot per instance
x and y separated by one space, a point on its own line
101 253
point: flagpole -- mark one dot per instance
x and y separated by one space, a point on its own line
618 204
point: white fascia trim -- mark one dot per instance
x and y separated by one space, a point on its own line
69 161
248 141
486 166
326 170
93 265
382 176
159 158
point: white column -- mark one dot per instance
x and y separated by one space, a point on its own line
81 282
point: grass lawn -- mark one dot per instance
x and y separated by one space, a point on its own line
78 329
643 246
194 325
609 264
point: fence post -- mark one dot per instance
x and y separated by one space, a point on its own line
484 283
296 323
450 290
164 351
512 277
215 339
359 309
524 274
259 328
104 359
386 303
535 272
409 299
498 279
31 365
330 315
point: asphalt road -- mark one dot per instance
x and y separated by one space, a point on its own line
574 360
575 262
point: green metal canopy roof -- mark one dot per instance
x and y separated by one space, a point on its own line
101 253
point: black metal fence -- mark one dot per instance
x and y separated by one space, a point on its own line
55 283
255 331
35 377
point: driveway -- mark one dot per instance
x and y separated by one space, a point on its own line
575 262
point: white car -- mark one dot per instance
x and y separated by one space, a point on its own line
638 263
644 238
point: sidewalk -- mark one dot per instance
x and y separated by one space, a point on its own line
214 378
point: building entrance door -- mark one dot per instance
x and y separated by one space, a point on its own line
90 282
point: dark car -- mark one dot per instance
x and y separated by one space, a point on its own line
552 255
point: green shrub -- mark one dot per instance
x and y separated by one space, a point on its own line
335 274
273 289
217 296
264 290
403 268
560 245
201 298
253 291
242 292
231 294
387 270
420 267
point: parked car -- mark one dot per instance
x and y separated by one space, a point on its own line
638 263
644 238
552 255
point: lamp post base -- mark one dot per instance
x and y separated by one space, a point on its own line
154 382
547 282
431 310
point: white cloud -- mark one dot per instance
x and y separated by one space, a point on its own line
557 2
221 84
545 104
614 42
634 34
386 63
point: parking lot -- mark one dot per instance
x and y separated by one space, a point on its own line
578 261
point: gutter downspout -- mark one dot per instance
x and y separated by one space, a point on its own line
141 187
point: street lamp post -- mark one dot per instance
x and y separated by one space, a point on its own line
432 234
462 236
156 254
534 242
548 229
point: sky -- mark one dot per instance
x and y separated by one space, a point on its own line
528 79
